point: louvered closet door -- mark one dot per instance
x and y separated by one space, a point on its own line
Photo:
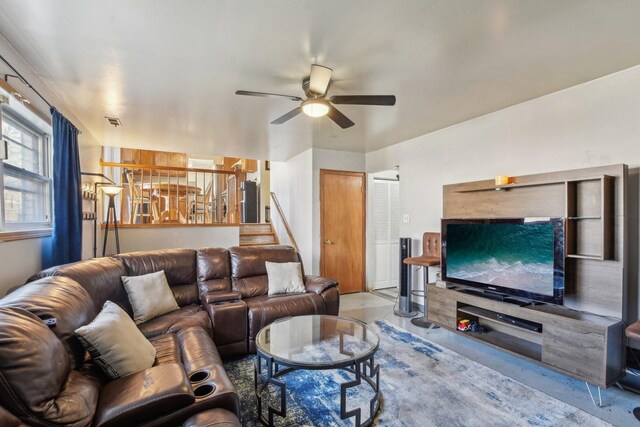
386 217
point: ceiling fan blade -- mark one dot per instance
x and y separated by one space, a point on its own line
342 120
290 115
319 79
267 95
364 99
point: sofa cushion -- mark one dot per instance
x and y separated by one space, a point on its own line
184 317
61 298
36 381
167 348
144 396
99 276
179 266
213 269
115 343
265 309
149 295
285 278
248 269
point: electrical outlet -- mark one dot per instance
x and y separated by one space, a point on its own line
406 219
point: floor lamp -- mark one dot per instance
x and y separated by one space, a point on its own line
111 191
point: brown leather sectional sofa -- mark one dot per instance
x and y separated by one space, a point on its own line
46 378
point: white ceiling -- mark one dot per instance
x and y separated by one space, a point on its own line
169 69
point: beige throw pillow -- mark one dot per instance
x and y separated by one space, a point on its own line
285 278
150 296
115 343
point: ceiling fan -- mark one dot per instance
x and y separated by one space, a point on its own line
315 87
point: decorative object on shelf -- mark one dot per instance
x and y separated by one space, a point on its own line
111 191
502 180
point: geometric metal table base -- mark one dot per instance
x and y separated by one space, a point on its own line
358 368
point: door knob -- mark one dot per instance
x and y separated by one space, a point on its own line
328 242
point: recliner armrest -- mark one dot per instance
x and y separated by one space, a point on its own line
318 284
220 297
144 396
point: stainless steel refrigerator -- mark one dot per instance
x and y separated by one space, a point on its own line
249 203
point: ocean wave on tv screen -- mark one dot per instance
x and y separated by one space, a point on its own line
529 277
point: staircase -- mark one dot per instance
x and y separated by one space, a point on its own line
257 235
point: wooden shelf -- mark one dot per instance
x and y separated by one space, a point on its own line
589 214
525 184
579 256
492 316
510 343
577 218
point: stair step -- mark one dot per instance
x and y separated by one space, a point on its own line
265 238
258 234
255 228
258 244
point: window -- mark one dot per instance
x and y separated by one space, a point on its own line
24 175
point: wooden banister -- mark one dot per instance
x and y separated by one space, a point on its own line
284 221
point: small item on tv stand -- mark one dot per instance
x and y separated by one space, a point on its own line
478 328
524 324
464 325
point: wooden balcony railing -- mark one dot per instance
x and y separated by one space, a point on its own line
161 195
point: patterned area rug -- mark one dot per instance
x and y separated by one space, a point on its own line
422 384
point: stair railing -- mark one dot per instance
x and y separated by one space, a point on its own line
279 222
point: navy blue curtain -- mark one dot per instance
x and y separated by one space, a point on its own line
66 242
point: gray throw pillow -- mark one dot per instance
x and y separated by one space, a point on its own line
115 343
285 278
150 296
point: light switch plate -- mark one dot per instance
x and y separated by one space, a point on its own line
405 218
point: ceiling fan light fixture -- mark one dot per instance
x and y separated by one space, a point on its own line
315 107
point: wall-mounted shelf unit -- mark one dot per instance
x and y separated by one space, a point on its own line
589 215
588 212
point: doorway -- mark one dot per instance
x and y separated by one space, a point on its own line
342 228
386 230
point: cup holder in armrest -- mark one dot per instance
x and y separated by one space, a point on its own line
199 376
204 390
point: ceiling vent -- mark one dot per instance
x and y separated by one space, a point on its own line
114 121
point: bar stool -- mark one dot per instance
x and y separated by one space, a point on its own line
430 257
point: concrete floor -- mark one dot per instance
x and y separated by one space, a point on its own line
618 404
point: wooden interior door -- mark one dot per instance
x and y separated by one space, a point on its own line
342 225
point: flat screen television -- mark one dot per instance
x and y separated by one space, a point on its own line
520 257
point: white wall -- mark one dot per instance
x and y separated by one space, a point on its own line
291 181
150 238
596 123
328 159
20 259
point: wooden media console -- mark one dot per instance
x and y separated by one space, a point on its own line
583 338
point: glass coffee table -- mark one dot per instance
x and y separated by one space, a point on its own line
317 342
